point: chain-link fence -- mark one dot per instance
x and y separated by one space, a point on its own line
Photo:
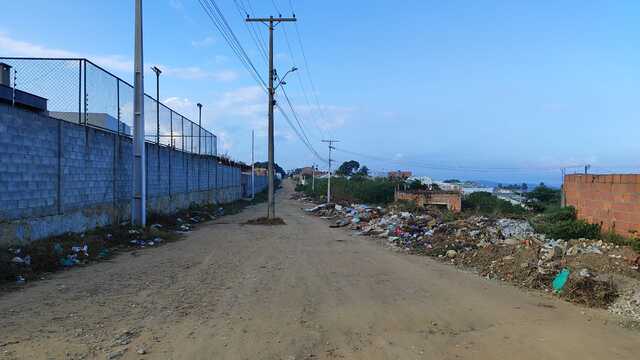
82 92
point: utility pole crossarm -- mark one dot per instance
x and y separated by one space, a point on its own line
271 19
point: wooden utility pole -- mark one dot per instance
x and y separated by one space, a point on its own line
313 177
253 168
330 141
271 22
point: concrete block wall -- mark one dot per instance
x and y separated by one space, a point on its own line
260 184
28 165
613 201
57 177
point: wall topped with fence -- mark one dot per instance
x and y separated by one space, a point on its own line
84 93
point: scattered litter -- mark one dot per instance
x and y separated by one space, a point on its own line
502 249
58 249
84 249
560 280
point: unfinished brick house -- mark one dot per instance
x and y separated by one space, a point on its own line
613 201
451 199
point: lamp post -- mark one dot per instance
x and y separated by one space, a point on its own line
199 127
158 72
138 208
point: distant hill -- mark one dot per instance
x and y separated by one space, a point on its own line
489 183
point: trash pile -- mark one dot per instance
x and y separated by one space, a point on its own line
503 249
19 264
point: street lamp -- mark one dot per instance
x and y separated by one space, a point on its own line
282 82
158 72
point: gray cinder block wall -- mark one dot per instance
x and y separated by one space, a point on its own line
58 177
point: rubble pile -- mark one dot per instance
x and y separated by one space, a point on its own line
503 249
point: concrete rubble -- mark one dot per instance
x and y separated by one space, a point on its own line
503 249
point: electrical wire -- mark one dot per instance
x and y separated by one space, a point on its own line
298 120
458 168
307 69
215 15
218 19
242 10
299 135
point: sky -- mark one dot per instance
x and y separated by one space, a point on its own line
509 91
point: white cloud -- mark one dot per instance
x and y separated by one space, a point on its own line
15 47
224 142
178 103
198 73
328 117
118 63
207 41
176 4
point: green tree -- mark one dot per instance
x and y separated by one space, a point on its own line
416 185
543 197
348 168
364 171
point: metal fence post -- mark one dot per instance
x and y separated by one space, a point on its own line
184 164
85 94
171 149
116 147
59 187
79 92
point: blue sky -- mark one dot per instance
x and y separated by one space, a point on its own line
498 90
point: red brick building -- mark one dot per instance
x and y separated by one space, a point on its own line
399 175
613 201
451 199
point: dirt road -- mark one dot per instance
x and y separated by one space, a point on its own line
299 291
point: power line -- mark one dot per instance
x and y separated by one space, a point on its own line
307 69
299 135
213 11
242 10
456 168
215 15
295 115
300 82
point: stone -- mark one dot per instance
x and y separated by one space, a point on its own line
451 254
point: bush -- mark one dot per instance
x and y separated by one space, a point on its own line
542 198
359 189
618 239
486 203
570 229
561 223
556 214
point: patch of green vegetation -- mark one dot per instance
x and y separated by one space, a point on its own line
614 238
561 223
377 191
542 198
485 203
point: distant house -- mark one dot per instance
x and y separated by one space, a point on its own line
261 171
399 175
451 199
